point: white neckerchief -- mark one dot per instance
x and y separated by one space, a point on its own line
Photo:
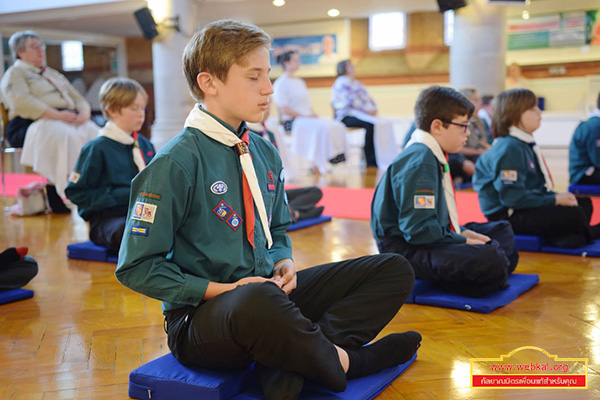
216 131
112 131
54 77
529 139
595 113
428 140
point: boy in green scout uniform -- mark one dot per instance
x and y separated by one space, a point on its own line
206 235
414 209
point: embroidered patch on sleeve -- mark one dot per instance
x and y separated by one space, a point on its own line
154 196
74 177
424 202
144 212
234 221
140 230
219 188
271 176
222 209
508 175
271 187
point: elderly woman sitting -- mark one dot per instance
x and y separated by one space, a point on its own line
48 117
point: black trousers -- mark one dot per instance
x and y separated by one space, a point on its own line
106 228
304 201
353 122
18 273
593 179
469 270
345 303
560 226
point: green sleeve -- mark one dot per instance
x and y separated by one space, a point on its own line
144 262
421 226
280 221
86 192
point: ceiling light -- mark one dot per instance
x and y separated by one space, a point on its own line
278 3
525 14
334 12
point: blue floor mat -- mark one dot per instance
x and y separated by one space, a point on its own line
10 296
519 284
305 223
465 185
166 379
91 252
539 245
585 189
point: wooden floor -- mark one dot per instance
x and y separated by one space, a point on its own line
83 332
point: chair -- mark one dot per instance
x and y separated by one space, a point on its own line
5 147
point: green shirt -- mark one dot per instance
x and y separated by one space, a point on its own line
186 222
409 200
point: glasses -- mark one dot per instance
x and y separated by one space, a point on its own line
37 47
464 126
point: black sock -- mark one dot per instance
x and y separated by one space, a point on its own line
56 203
278 384
9 256
595 231
394 349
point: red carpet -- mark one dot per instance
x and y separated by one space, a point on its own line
15 181
356 204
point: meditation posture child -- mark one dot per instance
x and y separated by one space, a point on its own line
514 183
206 235
101 180
584 151
414 209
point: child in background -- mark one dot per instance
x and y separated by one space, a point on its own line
101 180
414 209
514 183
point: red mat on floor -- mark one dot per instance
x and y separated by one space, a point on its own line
15 181
356 204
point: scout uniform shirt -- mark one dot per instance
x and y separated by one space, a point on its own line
508 176
409 201
101 179
584 150
186 219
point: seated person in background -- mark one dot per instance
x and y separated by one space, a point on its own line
514 183
293 101
216 253
48 117
414 209
477 143
16 269
301 201
485 114
584 151
356 109
461 169
101 180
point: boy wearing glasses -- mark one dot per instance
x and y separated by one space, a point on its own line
414 208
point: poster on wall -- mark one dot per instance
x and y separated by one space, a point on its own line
313 50
577 28
593 28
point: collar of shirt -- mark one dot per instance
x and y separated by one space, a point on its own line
240 130
112 131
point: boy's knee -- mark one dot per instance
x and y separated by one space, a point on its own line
397 265
254 299
30 265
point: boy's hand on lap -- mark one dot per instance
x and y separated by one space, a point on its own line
566 199
256 279
285 274
474 237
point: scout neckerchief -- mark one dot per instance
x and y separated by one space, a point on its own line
428 140
528 138
216 131
112 131
51 76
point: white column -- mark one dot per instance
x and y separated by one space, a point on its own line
172 100
478 48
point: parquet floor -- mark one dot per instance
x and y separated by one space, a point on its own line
83 332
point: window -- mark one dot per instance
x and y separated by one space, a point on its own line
387 31
448 27
72 56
